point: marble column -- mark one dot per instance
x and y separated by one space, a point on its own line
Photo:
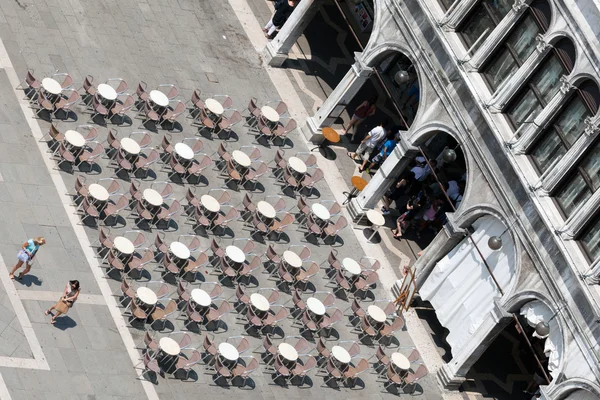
337 101
386 175
452 374
276 51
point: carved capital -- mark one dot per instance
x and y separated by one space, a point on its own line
518 5
541 44
591 126
565 85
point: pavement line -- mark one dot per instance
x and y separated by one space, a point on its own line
4 394
337 184
42 295
84 242
39 360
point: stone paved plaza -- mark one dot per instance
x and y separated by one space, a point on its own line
91 352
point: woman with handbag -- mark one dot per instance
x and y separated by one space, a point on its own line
26 254
66 301
364 110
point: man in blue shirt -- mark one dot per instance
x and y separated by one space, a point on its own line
386 150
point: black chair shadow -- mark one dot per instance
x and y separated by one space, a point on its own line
214 326
254 187
148 175
174 126
194 277
335 242
239 383
367 232
205 133
279 381
282 239
186 376
228 136
66 167
150 125
89 168
332 383
66 115
44 115
99 120
282 142
197 180
251 282
314 194
277 330
326 152
391 342
332 333
224 384
28 280
115 220
136 324
357 382
232 185
124 120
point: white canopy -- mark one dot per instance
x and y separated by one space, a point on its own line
460 287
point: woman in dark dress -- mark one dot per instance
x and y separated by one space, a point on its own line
283 10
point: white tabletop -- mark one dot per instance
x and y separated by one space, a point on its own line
315 305
169 346
260 302
292 259
288 351
98 192
74 138
228 351
270 113
152 197
320 211
340 354
51 86
123 245
130 146
235 254
400 361
214 106
159 98
241 158
201 298
266 209
184 151
376 217
147 296
107 91
351 266
210 203
180 250
376 313
297 165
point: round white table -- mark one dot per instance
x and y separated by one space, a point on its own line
107 91
287 351
201 298
74 138
130 146
152 197
292 259
147 296
297 165
270 113
184 151
159 98
266 209
400 361
210 203
180 250
376 313
169 346
377 219
235 254
98 192
315 306
351 266
214 106
320 211
51 86
228 351
241 158
340 354
123 245
259 302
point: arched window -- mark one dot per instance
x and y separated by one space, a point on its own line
581 183
543 85
590 239
482 20
519 44
567 127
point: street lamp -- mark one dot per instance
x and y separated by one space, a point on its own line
495 242
542 329
448 155
401 77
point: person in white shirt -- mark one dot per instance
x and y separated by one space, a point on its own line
369 143
453 190
422 172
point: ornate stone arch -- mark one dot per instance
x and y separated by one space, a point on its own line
562 390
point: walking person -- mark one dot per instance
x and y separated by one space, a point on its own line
66 301
364 110
26 255
386 150
368 144
283 10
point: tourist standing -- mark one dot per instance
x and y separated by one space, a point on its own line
283 10
364 110
26 255
368 144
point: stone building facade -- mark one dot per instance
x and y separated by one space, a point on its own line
516 85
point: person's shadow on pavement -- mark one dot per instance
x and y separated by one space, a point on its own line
29 280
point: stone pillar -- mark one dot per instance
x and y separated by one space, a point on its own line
446 239
276 51
579 219
453 374
457 13
337 101
386 175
